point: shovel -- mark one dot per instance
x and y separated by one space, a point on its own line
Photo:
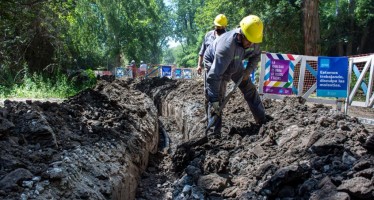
213 119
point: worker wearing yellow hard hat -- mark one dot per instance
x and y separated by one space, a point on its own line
252 28
220 20
220 24
223 58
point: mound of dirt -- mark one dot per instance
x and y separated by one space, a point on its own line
93 146
97 144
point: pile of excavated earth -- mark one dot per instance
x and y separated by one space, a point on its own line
145 139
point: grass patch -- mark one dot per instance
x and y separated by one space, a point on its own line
39 86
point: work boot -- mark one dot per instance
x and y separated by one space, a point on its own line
265 120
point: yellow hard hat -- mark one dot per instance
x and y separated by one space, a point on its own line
220 20
252 28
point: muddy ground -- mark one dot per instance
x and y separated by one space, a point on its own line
145 140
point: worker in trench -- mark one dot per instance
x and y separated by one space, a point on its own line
223 61
220 23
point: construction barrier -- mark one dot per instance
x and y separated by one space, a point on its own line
279 71
320 79
171 72
166 71
152 71
187 73
121 72
102 73
177 73
361 72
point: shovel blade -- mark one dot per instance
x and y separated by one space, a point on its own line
211 122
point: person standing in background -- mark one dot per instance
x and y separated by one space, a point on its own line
220 24
142 69
133 68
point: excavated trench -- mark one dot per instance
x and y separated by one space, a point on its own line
144 139
306 152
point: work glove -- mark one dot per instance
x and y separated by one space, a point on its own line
214 108
246 74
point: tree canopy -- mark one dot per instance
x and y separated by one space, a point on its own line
330 27
55 35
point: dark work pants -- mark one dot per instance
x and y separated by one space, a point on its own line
253 100
222 93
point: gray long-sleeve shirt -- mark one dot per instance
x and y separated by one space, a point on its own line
208 40
224 60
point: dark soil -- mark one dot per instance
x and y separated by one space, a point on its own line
305 152
92 146
145 140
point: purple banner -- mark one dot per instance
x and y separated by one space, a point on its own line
279 70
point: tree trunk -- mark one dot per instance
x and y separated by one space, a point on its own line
311 27
340 48
117 60
352 5
363 41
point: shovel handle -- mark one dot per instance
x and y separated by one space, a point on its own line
226 99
